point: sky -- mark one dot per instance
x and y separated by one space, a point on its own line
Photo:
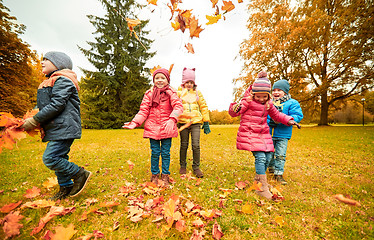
55 25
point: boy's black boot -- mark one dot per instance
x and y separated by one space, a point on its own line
80 181
63 193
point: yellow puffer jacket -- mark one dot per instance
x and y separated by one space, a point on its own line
195 109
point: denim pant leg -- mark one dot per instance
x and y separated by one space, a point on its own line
280 149
195 142
155 155
165 155
262 160
184 136
56 158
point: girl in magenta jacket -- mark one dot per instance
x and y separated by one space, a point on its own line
253 134
160 109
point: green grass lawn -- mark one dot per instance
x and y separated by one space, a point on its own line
321 162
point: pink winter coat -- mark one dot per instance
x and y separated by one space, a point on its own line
156 117
253 133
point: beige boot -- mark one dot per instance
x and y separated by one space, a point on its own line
265 186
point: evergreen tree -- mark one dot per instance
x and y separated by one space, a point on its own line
18 84
112 94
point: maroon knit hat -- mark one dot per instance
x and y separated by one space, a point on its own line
163 71
261 84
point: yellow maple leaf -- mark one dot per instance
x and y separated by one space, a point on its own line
51 182
213 19
247 208
64 233
280 221
154 2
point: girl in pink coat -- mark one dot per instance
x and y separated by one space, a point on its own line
160 109
253 134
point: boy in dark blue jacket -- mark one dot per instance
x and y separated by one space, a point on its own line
282 133
59 116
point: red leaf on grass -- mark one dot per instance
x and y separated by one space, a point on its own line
10 207
240 185
31 193
217 232
54 211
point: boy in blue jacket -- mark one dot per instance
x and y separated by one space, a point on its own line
59 116
282 133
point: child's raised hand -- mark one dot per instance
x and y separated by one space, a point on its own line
129 125
292 122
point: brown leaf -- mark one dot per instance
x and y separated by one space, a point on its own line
10 207
11 226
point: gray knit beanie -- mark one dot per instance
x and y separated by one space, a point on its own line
283 85
60 60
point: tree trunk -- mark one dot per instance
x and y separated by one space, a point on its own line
323 121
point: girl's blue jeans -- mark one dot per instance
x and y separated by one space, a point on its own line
278 159
262 160
56 158
160 147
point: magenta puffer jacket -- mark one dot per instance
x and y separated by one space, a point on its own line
253 133
156 117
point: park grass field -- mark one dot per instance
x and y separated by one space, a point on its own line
321 162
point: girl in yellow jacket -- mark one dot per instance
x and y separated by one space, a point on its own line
195 113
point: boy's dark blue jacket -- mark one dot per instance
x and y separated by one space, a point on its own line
59 106
291 108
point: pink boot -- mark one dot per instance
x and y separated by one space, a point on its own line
265 186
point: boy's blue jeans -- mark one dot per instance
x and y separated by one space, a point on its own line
160 147
278 160
262 160
56 158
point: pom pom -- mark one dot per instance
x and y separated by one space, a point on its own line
262 74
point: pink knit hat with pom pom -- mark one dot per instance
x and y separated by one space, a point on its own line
262 84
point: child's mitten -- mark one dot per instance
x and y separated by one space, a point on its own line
130 125
206 128
30 123
169 127
236 108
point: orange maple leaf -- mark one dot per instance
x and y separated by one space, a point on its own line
63 233
9 207
227 6
51 182
154 2
11 226
54 211
256 186
213 19
42 203
194 27
214 2
180 225
240 1
190 49
31 193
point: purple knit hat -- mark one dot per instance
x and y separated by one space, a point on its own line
188 75
163 71
262 84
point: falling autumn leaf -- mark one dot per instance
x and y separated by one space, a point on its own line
154 2
195 28
10 207
228 6
190 49
213 19
31 193
216 231
11 226
214 2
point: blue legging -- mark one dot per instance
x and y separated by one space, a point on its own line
160 147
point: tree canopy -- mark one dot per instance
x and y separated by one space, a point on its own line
18 79
112 94
324 48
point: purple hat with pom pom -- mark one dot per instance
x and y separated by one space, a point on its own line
262 84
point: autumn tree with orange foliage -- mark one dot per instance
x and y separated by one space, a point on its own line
18 83
324 48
